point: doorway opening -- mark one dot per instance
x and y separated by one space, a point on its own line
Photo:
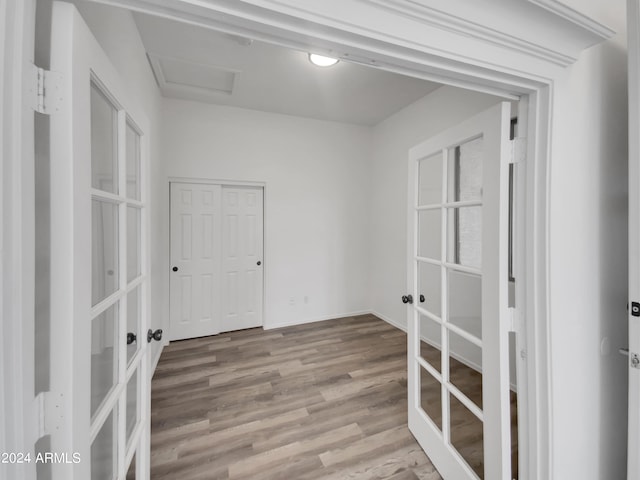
224 79
179 70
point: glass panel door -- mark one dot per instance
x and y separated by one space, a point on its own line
117 284
457 340
99 233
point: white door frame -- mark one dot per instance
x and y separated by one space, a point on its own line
17 235
272 23
231 183
633 29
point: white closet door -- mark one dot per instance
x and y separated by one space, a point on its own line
242 254
457 264
195 260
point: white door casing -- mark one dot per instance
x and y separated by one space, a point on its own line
196 214
511 63
100 398
19 423
242 257
432 248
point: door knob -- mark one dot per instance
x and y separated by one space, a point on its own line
421 298
259 263
175 269
407 299
131 338
157 335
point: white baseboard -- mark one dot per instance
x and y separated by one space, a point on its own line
459 358
292 323
390 321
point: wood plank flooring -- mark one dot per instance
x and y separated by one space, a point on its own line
323 400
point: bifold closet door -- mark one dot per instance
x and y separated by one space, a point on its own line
216 259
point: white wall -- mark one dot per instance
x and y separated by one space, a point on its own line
117 34
588 264
316 200
392 139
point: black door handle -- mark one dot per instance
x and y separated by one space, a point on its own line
157 335
259 263
407 299
131 338
421 298
175 269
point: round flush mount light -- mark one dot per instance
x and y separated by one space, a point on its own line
321 60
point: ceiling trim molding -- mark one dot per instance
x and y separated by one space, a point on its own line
289 23
562 10
460 26
393 53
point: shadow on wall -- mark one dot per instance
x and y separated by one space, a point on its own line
612 203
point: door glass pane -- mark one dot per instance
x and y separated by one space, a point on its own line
465 302
104 356
104 142
430 233
133 163
429 285
103 454
131 472
465 241
467 435
104 250
465 171
134 303
514 405
430 180
44 470
430 341
431 397
465 367
133 243
132 405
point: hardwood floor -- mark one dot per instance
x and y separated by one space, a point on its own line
324 400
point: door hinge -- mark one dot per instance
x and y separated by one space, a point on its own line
48 408
46 90
515 321
518 150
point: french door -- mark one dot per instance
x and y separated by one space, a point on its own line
458 301
100 264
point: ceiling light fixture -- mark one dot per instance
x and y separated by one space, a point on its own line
321 60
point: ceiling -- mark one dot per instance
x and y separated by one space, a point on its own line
195 63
